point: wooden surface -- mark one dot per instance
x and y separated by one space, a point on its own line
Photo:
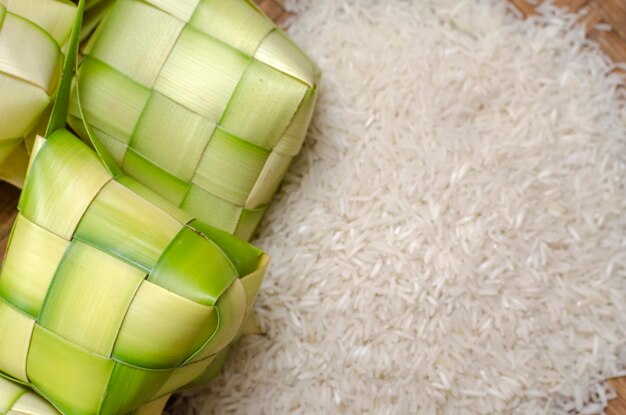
618 406
274 9
8 201
613 42
597 16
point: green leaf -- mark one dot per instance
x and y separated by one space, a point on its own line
245 257
60 109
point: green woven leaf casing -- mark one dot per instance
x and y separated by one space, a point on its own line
28 75
109 301
205 102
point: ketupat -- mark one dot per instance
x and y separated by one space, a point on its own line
206 102
108 301
154 313
28 75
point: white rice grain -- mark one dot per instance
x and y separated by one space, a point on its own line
453 238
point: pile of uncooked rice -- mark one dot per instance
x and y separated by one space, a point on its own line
453 238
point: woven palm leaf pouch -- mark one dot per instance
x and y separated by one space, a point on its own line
32 35
109 300
205 102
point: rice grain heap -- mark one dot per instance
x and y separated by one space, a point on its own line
452 239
